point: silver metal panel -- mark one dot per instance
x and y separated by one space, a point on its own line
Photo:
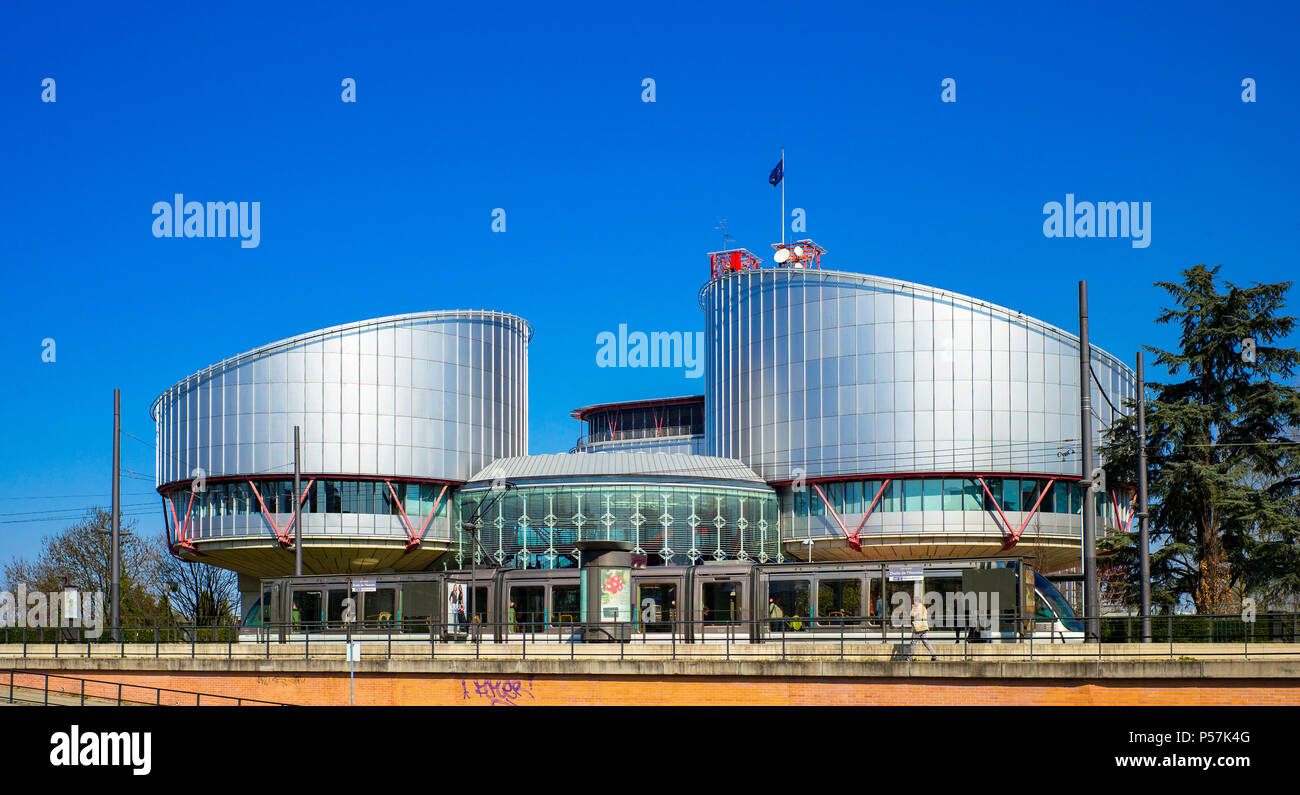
349 388
823 373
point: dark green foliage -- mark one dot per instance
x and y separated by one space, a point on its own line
1223 466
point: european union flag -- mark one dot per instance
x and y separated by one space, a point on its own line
777 173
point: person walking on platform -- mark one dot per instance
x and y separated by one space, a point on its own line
775 613
920 626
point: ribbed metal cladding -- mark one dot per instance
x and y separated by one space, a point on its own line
431 395
825 373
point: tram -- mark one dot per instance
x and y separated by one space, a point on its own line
984 599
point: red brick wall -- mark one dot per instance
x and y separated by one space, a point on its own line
442 689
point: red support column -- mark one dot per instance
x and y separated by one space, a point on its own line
301 499
183 540
1128 515
850 537
414 539
280 535
1011 535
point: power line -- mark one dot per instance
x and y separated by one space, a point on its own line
77 509
135 515
72 496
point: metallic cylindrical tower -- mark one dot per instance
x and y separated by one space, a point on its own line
830 379
394 413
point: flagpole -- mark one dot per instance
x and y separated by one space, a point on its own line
783 195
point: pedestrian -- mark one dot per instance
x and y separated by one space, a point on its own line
775 613
920 626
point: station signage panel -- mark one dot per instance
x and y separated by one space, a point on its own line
906 573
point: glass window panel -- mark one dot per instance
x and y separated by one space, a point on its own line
994 487
420 603
565 604
839 600
657 606
721 602
835 496
788 601
380 607
334 608
853 497
526 610
1061 498
869 490
306 609
892 497
1010 494
912 490
1028 493
952 494
933 490
286 496
480 604
1046 506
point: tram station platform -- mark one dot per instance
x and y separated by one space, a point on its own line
1069 674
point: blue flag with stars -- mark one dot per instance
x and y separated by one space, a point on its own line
777 173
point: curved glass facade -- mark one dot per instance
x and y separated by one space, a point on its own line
671 425
419 402
821 373
331 506
536 526
912 516
938 494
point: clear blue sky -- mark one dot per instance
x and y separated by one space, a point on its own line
383 206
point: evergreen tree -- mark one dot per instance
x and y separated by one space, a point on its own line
1224 472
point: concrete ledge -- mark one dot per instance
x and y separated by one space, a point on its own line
1084 671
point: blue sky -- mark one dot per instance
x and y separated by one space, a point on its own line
383 206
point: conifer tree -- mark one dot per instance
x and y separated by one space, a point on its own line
1223 465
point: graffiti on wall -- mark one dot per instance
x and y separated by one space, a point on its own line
496 692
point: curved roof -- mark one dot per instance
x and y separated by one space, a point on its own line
619 463
390 320
900 285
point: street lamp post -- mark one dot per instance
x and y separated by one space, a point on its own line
1091 593
472 525
473 579
1144 540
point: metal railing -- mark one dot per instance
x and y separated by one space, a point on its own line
636 434
844 637
47 689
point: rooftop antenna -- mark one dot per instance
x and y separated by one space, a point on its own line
722 227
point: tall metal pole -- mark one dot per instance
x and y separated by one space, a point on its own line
783 195
1091 594
115 556
297 506
1144 542
473 580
